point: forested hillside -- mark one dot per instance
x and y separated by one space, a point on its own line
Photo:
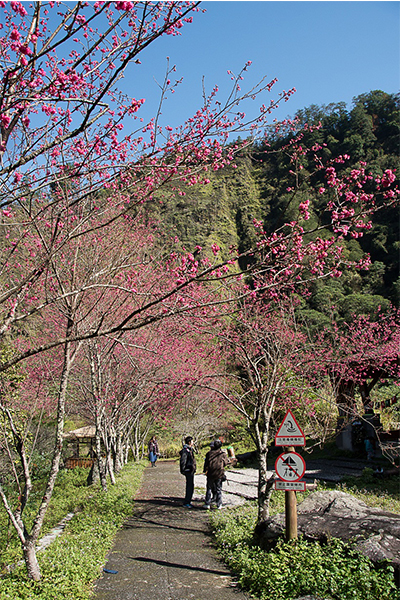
265 184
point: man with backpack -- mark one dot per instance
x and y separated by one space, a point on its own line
214 467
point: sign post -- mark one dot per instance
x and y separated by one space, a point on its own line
290 515
290 468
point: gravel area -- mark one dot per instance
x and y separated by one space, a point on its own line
241 484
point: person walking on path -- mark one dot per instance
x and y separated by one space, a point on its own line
153 451
214 467
187 465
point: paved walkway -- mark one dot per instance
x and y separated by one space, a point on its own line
164 551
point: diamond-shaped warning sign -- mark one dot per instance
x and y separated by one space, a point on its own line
290 433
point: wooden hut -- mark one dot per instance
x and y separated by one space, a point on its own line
82 441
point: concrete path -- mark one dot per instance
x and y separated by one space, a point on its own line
164 551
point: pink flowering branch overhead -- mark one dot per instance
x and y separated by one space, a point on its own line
76 156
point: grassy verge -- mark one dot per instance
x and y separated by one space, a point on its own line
381 493
334 571
73 562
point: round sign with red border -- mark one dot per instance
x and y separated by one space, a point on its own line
290 466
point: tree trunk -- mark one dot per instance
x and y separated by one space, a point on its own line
29 550
265 486
32 565
102 471
138 440
345 391
118 453
96 383
110 468
135 450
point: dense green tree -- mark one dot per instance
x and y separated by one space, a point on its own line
268 183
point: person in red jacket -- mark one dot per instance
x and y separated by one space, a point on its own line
214 467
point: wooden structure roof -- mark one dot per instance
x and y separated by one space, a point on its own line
87 432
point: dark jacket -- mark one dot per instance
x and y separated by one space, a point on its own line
215 463
187 460
153 447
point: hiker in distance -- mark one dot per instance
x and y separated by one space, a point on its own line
153 451
214 467
187 465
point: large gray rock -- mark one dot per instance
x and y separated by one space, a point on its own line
323 515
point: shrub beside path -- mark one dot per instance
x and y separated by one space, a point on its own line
164 550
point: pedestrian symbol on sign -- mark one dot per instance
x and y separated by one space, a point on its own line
291 471
290 466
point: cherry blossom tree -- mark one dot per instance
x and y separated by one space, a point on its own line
150 375
68 168
356 356
92 282
189 409
272 365
266 373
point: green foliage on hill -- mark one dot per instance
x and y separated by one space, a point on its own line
259 186
220 212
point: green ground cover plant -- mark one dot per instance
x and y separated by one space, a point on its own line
335 571
382 492
73 562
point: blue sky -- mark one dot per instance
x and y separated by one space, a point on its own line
328 51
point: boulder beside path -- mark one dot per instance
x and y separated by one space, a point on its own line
326 514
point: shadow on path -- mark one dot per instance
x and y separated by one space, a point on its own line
164 550
159 501
140 521
168 564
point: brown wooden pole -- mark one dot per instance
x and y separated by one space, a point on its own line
290 511
291 515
